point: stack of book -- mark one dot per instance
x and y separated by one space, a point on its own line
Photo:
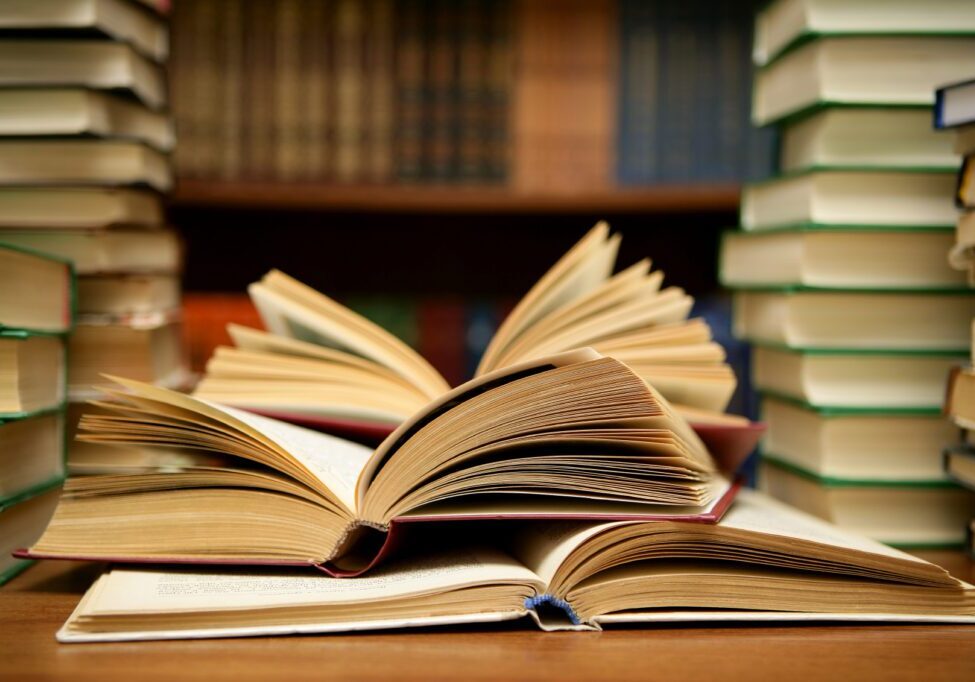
84 161
36 295
955 109
841 278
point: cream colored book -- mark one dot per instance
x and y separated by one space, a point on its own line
321 361
567 436
78 207
764 561
100 252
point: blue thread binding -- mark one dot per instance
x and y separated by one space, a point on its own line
532 603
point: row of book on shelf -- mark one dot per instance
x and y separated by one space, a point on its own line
841 276
540 95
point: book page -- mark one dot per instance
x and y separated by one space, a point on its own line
335 461
140 591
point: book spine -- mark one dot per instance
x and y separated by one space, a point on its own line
313 90
471 84
498 91
287 112
379 56
441 336
409 89
349 90
231 77
259 22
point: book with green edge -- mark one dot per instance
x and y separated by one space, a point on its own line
22 519
33 372
903 513
39 443
867 482
859 69
803 256
37 290
856 444
917 198
863 319
783 26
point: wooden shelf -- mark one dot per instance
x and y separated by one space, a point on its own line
703 198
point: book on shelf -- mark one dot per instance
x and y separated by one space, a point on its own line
762 562
83 162
809 318
96 64
78 207
320 361
572 435
816 257
62 112
33 448
93 252
856 70
118 20
865 378
36 291
143 346
911 513
128 295
22 519
878 444
33 370
954 105
865 137
868 199
783 26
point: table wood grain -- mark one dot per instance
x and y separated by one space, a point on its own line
34 605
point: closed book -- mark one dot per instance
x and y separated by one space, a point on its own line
867 379
118 20
954 105
876 444
32 371
127 295
857 70
806 256
99 65
105 251
36 289
22 520
78 207
785 24
881 199
902 513
856 320
31 454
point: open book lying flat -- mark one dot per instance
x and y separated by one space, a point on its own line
763 561
324 366
573 435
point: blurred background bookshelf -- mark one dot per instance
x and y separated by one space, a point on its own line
440 140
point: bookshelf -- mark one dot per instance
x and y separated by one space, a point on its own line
324 197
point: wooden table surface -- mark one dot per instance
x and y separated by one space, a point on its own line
34 605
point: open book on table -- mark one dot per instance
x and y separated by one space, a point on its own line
763 561
572 435
324 366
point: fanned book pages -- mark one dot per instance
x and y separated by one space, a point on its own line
572 435
323 365
763 562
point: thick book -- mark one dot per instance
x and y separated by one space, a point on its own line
95 252
119 20
128 295
866 137
32 454
83 162
786 24
320 361
78 207
36 290
60 112
868 199
860 379
954 105
807 256
101 65
856 319
912 513
856 444
32 370
762 562
572 435
22 519
959 464
960 397
858 70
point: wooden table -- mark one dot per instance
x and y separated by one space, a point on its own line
34 605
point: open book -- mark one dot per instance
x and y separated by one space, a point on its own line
573 435
325 366
763 561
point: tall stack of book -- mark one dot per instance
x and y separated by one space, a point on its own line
84 161
36 294
955 109
841 279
